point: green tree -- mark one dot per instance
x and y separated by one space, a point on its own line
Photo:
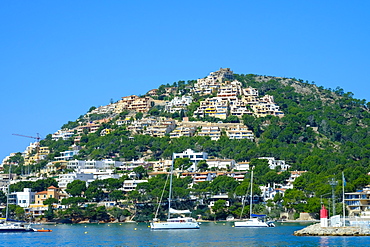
139 115
73 201
220 209
49 214
293 199
140 172
223 184
182 163
76 188
2 197
116 195
15 212
202 165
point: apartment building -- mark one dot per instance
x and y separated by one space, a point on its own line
212 131
266 106
292 178
183 131
250 91
152 92
178 104
51 192
106 164
125 121
221 164
228 90
211 175
64 179
358 203
194 157
139 126
213 107
239 132
22 199
62 134
38 208
104 109
199 176
130 185
213 81
91 127
134 103
67 155
161 128
160 165
242 166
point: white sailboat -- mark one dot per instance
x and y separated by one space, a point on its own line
173 223
11 226
254 220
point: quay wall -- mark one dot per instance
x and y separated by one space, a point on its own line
317 230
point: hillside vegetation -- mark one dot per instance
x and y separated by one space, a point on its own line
324 132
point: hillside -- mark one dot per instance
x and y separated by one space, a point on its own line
322 131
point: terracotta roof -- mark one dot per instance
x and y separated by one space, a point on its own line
41 192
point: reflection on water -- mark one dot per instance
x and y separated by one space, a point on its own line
324 241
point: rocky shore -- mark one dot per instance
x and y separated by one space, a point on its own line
317 230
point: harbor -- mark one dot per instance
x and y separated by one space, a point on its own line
209 234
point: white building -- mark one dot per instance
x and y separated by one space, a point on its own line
131 165
212 131
239 132
221 164
22 199
62 134
275 163
79 165
178 104
130 185
65 179
242 166
67 155
193 156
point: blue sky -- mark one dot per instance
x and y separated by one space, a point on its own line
59 58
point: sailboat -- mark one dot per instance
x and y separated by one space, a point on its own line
254 219
173 223
11 226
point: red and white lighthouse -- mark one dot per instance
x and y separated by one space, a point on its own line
323 217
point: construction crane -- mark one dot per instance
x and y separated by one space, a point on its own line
37 138
37 141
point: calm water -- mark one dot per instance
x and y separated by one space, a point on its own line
210 234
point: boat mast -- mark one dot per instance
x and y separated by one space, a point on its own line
251 199
169 197
7 196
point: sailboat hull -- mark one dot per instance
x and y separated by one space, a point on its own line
246 224
251 223
14 227
15 230
175 223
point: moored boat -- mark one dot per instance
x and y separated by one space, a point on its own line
173 223
254 220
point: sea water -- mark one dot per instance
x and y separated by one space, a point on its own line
139 234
